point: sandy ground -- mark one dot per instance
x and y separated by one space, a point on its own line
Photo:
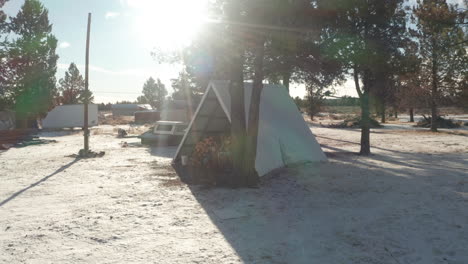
407 203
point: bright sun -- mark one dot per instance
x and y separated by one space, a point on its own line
168 24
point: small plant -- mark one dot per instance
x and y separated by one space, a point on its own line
205 152
211 160
211 153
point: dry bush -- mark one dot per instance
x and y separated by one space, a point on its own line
441 123
108 119
354 122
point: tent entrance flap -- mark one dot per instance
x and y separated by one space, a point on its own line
210 120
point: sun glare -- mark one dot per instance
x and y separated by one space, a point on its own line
168 25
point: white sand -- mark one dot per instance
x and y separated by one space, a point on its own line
407 203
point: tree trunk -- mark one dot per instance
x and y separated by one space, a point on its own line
365 116
396 113
433 115
434 93
365 125
238 130
411 115
382 112
287 80
254 113
365 113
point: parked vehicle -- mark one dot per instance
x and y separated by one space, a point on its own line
165 133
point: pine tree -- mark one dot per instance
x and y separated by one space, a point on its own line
5 99
72 87
154 92
442 50
34 61
367 35
3 16
186 89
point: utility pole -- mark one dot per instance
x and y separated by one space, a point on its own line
86 129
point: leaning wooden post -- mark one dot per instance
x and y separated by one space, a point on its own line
86 129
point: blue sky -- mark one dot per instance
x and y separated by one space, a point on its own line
120 57
124 32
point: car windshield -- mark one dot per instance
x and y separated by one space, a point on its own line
181 128
165 128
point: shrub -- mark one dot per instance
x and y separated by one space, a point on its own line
314 105
355 122
441 123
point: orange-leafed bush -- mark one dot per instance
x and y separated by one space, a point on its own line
211 152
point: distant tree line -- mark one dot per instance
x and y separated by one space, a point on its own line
342 101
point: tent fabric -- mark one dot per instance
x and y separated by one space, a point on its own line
283 138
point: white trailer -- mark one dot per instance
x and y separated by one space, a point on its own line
70 116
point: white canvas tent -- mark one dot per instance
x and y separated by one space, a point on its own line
283 138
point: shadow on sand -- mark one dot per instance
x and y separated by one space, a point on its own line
16 194
163 151
350 210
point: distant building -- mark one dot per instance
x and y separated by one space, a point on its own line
129 109
177 110
70 116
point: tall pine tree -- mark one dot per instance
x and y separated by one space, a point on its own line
154 93
5 99
367 35
33 58
442 50
72 87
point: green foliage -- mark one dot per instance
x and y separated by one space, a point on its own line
366 38
343 101
301 103
314 105
2 14
154 93
86 97
142 100
316 96
33 60
5 93
442 48
72 87
185 89
105 107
